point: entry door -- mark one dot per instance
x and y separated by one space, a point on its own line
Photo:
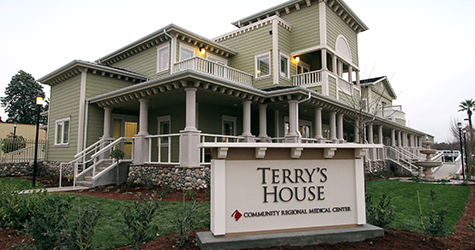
125 128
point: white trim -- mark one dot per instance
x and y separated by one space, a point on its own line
275 51
62 140
217 59
329 50
323 22
164 118
343 38
186 47
255 65
158 58
302 64
287 77
253 26
82 102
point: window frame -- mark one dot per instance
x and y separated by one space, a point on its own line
285 75
56 124
186 47
161 48
164 118
302 65
256 65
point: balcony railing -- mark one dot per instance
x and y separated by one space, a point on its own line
215 69
309 78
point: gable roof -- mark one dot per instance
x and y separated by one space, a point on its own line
162 35
76 66
338 6
382 79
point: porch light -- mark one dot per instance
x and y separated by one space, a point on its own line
297 59
39 104
203 51
39 101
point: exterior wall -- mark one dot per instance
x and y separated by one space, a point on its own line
285 44
348 99
64 103
305 27
144 63
249 45
210 118
97 84
401 121
335 27
317 89
26 130
332 87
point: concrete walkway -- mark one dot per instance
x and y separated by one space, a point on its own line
56 189
446 171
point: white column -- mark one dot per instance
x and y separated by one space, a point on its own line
246 118
357 131
292 137
143 116
318 125
340 68
333 135
350 74
107 122
190 109
358 78
324 59
393 137
370 134
380 134
263 121
335 64
340 128
399 138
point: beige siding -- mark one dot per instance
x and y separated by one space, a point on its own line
317 89
335 27
305 27
401 121
97 84
145 63
332 87
64 104
248 46
95 124
348 99
285 48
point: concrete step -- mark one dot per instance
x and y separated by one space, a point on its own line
88 178
84 183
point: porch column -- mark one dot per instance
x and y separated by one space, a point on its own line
357 131
107 122
393 137
358 77
143 116
246 119
335 64
340 68
370 134
293 136
399 138
263 123
318 125
141 144
380 134
350 74
404 139
333 136
324 59
190 136
340 128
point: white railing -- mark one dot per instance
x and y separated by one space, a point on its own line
168 148
215 69
345 86
206 153
402 156
313 77
25 154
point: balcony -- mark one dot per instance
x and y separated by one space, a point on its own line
313 78
214 69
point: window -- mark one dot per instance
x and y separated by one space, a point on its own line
62 132
164 127
305 127
186 52
263 65
284 66
228 126
163 59
302 68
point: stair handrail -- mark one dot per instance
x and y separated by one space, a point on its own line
406 156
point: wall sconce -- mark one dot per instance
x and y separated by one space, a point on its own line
297 59
203 51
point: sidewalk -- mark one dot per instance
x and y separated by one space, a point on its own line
56 189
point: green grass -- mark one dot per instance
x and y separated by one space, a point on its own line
108 229
404 198
19 183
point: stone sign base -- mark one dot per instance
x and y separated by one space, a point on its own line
208 241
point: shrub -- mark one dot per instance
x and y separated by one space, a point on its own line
186 219
11 144
137 218
83 229
380 214
436 219
117 155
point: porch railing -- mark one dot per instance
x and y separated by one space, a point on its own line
167 149
215 69
313 77
206 154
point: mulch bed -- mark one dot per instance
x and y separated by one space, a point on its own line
462 237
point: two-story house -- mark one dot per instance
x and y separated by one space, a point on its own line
286 74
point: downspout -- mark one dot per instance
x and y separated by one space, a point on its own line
298 123
172 54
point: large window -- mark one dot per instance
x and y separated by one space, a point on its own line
163 59
186 52
284 65
62 132
263 65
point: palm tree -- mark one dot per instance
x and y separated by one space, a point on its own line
469 106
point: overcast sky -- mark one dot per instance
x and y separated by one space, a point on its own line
425 47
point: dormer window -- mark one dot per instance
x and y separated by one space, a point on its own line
263 65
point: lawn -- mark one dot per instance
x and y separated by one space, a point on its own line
20 183
404 198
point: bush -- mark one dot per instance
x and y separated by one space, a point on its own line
11 144
82 231
186 219
381 214
137 218
436 219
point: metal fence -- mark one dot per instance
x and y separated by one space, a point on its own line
21 150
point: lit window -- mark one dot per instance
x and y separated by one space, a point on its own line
284 66
163 58
263 65
186 52
62 132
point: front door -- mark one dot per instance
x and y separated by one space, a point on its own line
125 128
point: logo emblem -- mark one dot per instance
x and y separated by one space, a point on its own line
236 215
